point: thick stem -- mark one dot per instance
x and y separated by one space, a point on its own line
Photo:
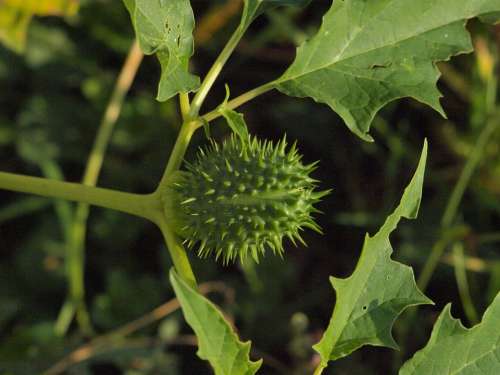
214 72
319 370
180 148
178 255
185 105
175 248
135 204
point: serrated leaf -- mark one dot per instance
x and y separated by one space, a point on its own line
16 15
165 28
217 343
369 53
379 289
453 349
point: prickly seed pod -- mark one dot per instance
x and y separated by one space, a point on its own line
239 198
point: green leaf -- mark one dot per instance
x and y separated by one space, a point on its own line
165 28
217 343
235 120
369 53
16 15
453 349
379 289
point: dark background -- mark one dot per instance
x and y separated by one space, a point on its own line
51 102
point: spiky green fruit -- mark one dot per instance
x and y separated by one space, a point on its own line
243 197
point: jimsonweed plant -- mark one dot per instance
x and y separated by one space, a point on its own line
241 199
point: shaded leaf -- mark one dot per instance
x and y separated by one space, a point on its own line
217 343
16 15
236 122
234 119
165 28
474 351
369 53
379 289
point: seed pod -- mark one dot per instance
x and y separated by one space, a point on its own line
241 198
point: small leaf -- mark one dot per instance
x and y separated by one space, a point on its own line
237 123
379 289
217 343
165 28
234 119
369 53
453 349
16 15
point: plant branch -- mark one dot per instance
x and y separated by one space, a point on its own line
178 255
135 204
185 105
214 71
177 155
319 369
240 100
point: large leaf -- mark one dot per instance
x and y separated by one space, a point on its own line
16 15
217 343
453 349
368 53
165 28
379 289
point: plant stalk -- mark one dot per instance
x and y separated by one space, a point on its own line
214 72
144 206
240 100
78 230
177 155
184 105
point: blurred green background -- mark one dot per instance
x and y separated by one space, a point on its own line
52 98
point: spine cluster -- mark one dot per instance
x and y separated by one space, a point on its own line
241 198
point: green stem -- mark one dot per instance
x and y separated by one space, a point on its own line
185 105
76 239
23 207
455 199
463 284
469 169
319 370
437 252
178 255
180 148
135 204
214 72
175 248
240 100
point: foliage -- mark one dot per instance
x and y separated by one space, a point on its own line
367 54
474 351
165 29
217 343
369 301
363 56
